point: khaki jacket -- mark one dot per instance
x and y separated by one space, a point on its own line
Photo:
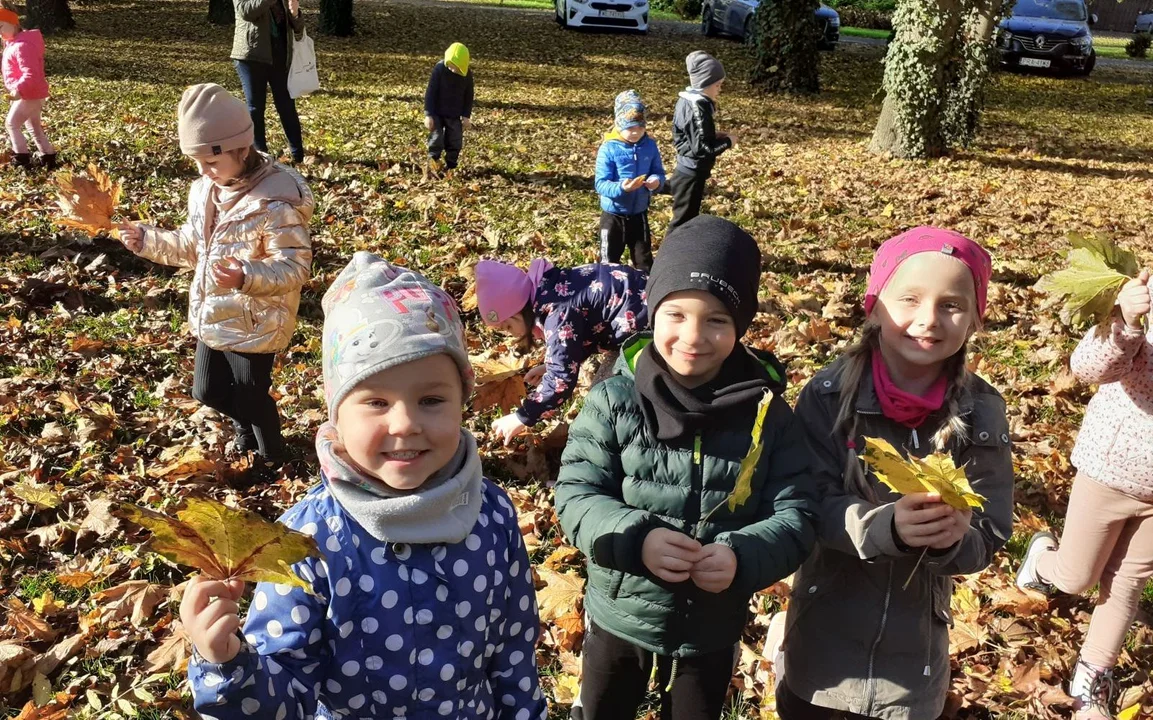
855 640
252 35
267 230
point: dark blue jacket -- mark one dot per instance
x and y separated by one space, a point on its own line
581 310
448 94
620 160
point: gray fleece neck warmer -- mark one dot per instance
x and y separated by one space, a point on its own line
442 510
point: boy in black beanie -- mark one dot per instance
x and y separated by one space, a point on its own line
651 460
695 136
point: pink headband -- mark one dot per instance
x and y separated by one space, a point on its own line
503 290
897 250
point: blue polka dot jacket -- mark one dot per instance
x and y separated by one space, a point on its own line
394 631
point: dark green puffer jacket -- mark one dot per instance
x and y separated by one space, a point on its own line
252 36
617 482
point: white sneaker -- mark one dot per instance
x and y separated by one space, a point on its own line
774 643
1093 689
1027 577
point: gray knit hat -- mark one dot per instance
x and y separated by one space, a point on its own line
377 315
704 69
212 121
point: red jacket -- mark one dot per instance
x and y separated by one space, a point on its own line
23 65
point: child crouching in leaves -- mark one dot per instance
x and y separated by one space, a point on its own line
424 604
653 451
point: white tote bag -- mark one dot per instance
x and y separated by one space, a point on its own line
302 76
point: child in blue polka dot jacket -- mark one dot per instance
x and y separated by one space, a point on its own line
424 604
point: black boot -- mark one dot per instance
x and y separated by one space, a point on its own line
48 162
245 438
22 160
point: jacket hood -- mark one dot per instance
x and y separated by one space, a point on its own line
694 95
615 134
286 185
632 348
457 54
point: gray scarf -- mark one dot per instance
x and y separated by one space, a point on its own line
442 510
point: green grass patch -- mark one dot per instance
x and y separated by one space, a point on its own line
865 33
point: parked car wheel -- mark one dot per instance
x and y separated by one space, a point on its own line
1090 64
707 28
557 12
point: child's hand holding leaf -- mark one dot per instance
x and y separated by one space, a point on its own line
670 555
715 571
922 520
210 612
633 184
653 183
132 236
1134 300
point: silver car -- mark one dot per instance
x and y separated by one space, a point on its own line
735 17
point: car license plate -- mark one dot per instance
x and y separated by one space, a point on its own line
1034 62
613 14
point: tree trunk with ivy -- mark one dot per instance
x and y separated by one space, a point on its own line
220 12
937 70
49 15
974 70
336 17
786 46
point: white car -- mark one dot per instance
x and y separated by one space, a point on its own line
630 15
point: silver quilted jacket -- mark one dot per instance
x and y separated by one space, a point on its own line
267 231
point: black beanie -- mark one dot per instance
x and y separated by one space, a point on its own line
711 254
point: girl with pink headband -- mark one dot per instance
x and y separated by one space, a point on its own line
858 641
576 311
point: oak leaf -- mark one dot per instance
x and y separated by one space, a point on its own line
1097 269
226 543
88 204
934 473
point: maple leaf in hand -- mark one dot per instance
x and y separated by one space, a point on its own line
226 543
935 473
88 204
1097 269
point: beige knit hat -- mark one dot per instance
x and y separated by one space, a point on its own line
212 121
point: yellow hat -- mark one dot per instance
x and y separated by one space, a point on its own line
457 56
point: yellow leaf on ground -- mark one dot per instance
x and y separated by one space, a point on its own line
39 495
498 384
566 688
560 595
933 474
88 204
226 543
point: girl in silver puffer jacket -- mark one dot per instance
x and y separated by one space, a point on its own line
248 242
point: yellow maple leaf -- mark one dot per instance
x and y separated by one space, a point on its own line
935 473
226 543
39 495
88 204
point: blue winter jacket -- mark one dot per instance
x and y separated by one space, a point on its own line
619 160
581 310
395 631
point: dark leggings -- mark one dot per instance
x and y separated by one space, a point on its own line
688 194
236 384
616 676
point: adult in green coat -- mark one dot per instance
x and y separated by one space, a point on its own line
651 461
262 53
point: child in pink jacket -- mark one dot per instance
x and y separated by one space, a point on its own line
1108 535
24 79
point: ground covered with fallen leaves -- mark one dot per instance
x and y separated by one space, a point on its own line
96 363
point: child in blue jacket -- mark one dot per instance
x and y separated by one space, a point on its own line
629 170
423 605
577 311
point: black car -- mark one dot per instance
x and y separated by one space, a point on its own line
1048 35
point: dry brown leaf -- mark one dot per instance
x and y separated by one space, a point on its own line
26 623
560 595
183 463
100 520
134 599
88 204
172 654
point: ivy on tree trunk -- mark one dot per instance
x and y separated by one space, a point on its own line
336 17
49 15
785 39
937 70
220 12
